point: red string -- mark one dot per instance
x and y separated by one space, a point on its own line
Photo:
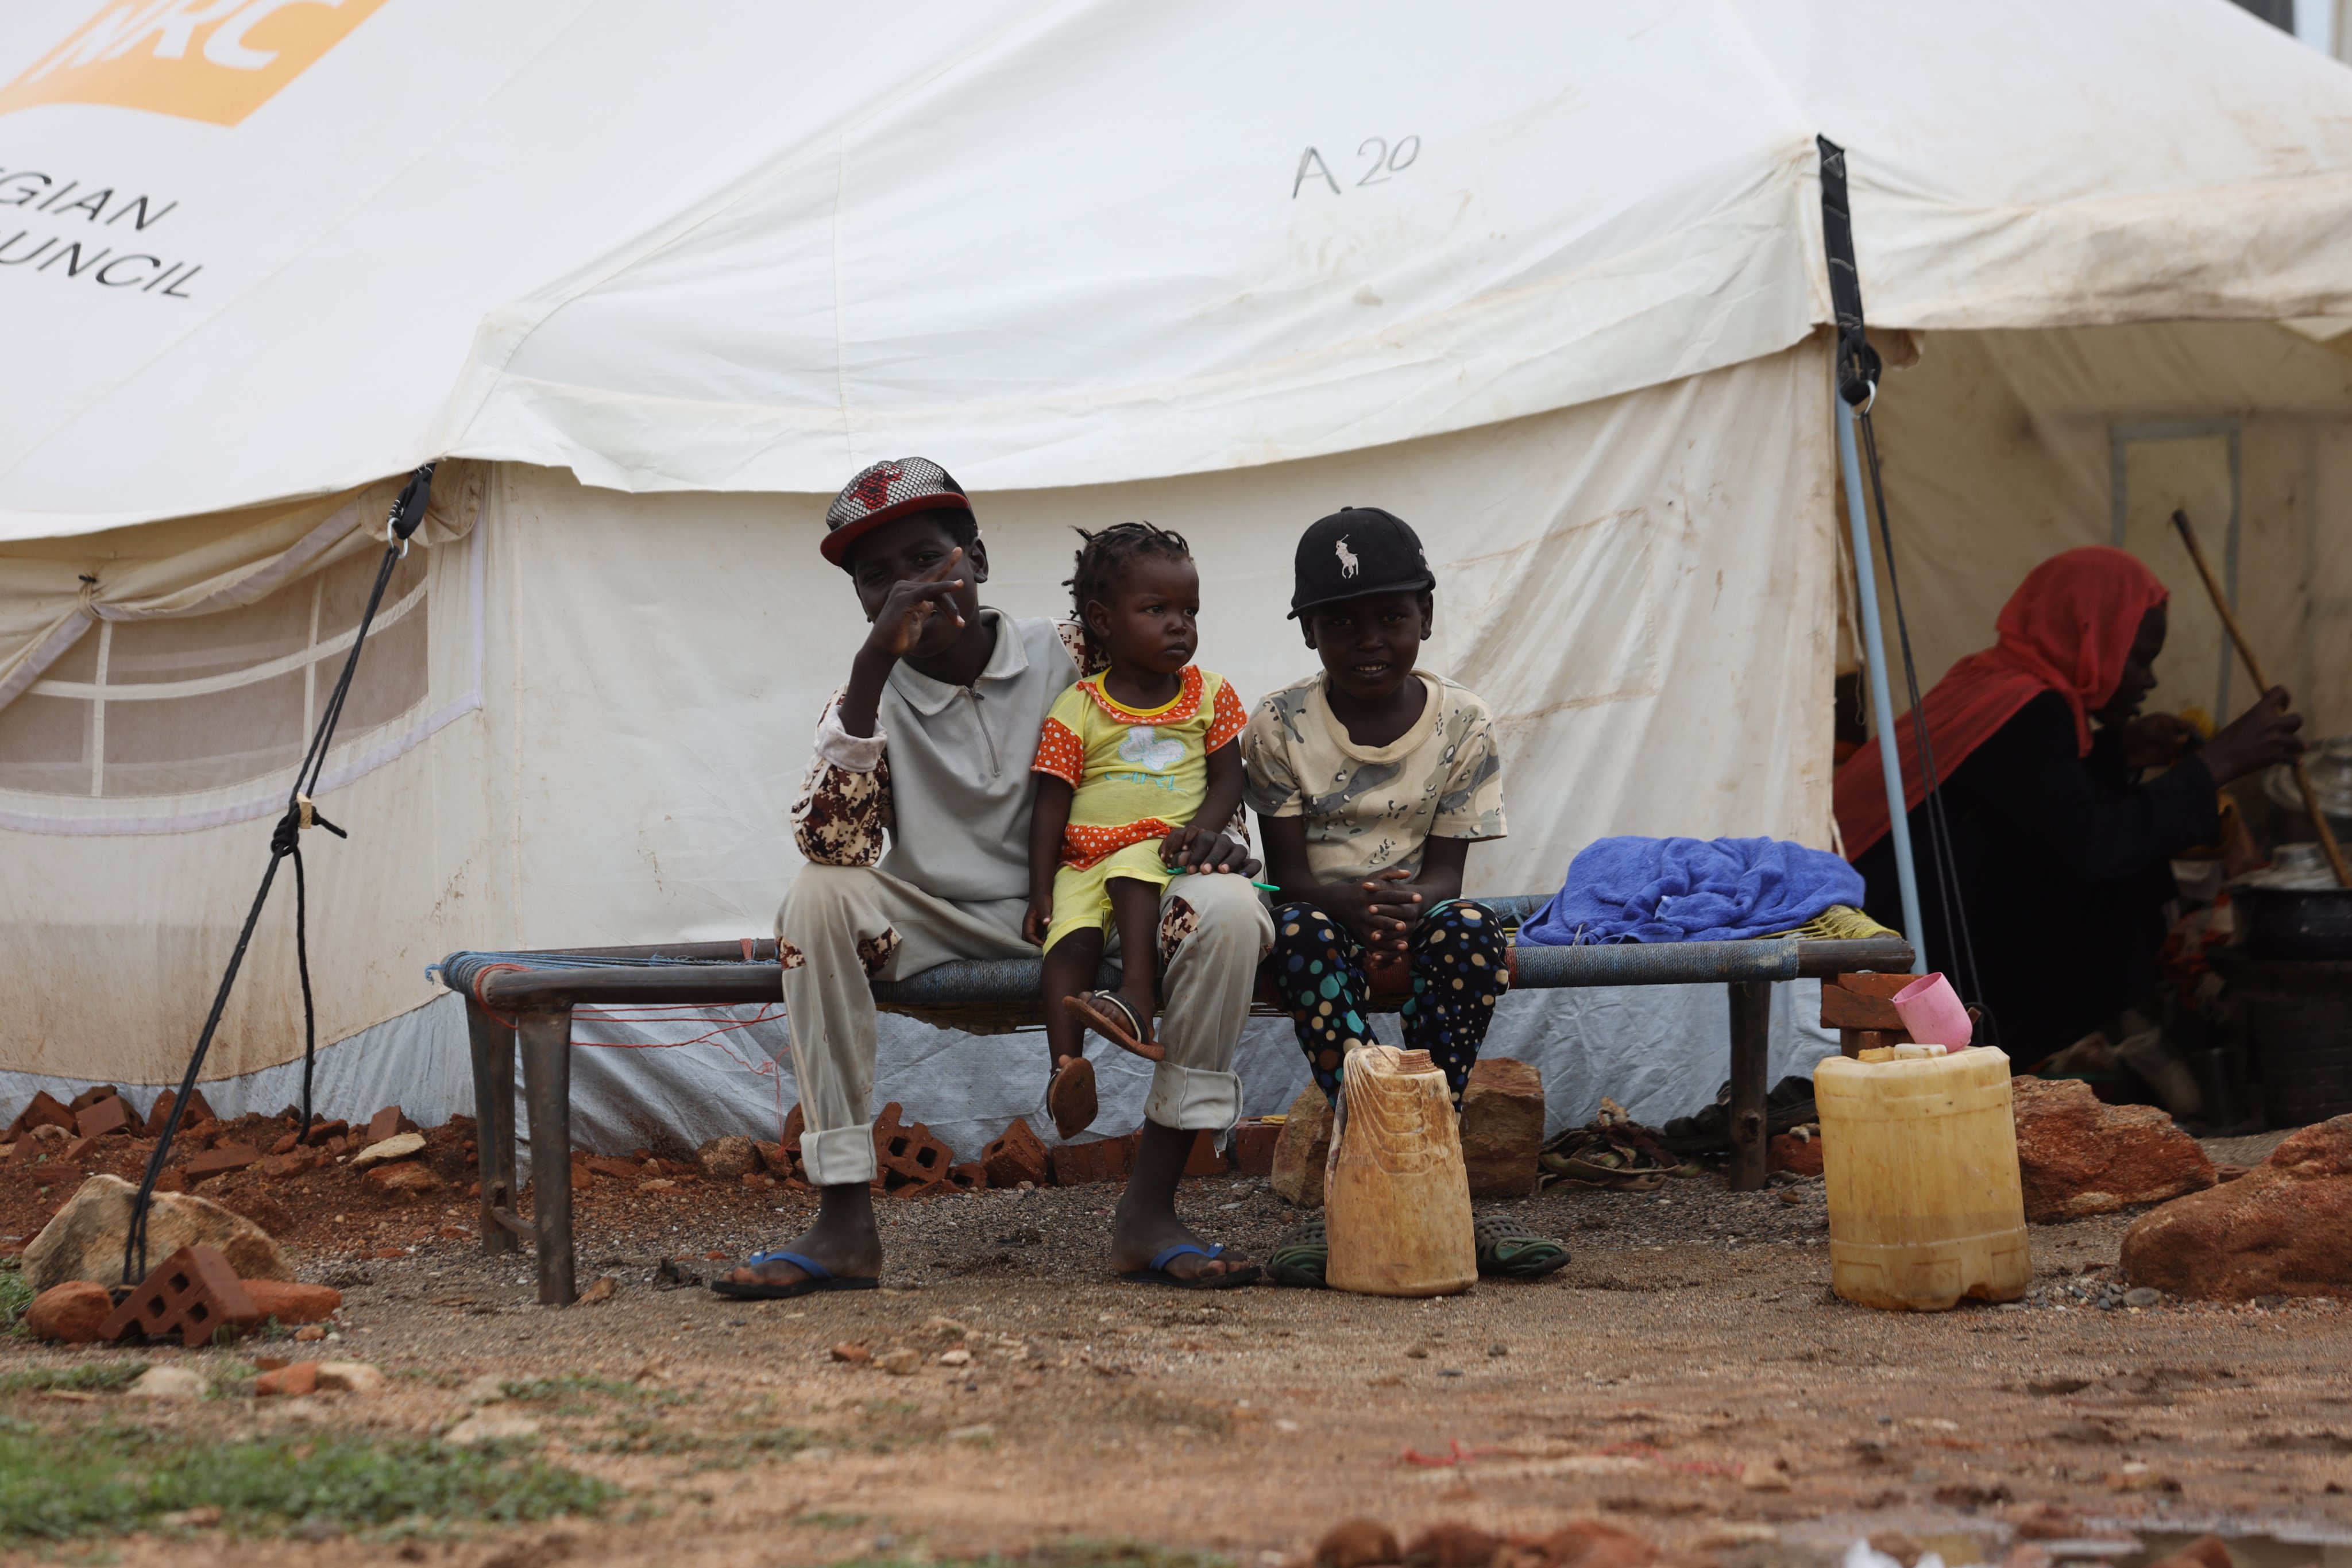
658 1014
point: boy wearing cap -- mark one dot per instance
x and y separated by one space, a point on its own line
1371 781
927 750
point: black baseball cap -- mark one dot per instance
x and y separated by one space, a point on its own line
1356 550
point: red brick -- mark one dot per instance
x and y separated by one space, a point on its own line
1254 1145
1204 1160
776 1159
291 1303
78 1150
1802 1156
112 1114
1104 1160
291 1382
194 1293
46 1110
910 1151
286 1167
1017 1156
619 1169
384 1124
968 1178
287 1144
92 1096
796 1126
322 1131
218 1161
198 1111
74 1312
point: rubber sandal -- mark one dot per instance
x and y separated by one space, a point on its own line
1506 1252
816 1277
1300 1257
1070 1098
1157 1274
1125 1031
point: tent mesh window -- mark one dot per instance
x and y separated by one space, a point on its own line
142 709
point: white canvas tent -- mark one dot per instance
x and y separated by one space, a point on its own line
1545 280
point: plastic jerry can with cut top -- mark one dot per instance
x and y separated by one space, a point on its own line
1396 1193
1920 1159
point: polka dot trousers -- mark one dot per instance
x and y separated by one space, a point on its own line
1459 967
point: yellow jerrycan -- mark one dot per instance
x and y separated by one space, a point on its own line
1396 1195
1920 1158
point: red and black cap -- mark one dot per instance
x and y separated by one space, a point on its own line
1356 550
883 492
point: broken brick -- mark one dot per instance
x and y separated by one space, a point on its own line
384 1124
910 1151
292 1382
292 1303
968 1178
1204 1160
286 1166
198 1111
1017 1155
194 1293
323 1130
45 1110
619 1169
78 1150
1254 1145
92 1096
1104 1160
405 1176
112 1114
287 1144
1800 1156
796 1126
776 1159
74 1312
221 1161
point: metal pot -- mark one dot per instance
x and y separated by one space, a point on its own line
2295 912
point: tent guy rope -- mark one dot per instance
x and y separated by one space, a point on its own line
285 844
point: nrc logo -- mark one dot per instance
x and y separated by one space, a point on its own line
215 61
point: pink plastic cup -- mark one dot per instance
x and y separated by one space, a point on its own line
1930 1009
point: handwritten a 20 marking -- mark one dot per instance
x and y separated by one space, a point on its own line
1377 162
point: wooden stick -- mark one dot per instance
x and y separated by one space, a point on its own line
2333 850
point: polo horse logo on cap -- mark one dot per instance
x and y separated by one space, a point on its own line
873 487
1347 562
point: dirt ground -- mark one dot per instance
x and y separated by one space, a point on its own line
1688 1376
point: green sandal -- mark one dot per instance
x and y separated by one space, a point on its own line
1510 1253
1300 1256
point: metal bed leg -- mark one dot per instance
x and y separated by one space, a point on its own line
546 1039
1751 1042
494 1126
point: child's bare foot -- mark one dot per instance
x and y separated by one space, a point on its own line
1070 1096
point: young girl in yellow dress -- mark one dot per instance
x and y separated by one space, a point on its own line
1138 774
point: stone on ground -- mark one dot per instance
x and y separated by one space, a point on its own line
728 1159
349 1377
168 1383
2285 1228
405 1176
1502 1127
2077 1156
85 1240
1304 1145
71 1313
399 1146
488 1426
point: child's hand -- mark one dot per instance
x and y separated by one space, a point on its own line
1381 911
1034 924
1204 849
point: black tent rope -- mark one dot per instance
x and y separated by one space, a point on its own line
285 844
1858 367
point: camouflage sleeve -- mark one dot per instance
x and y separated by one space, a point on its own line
843 813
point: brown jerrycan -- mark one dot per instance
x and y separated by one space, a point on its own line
1396 1196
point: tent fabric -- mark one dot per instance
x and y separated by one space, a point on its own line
435 229
1652 640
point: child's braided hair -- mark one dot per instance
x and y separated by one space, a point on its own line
1102 564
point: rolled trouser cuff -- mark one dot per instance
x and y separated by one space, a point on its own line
839 1156
1193 1098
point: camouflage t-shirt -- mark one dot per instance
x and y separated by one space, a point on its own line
1368 809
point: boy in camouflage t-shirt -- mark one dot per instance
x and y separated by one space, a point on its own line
1371 782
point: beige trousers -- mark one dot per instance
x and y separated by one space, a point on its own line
842 926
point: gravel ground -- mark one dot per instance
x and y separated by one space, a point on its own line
1687 1376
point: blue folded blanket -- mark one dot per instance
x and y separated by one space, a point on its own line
1690 889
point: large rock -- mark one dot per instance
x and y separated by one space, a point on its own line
1502 1127
85 1241
2282 1228
1303 1150
730 1158
2077 1156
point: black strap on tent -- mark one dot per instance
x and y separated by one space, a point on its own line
1858 368
285 844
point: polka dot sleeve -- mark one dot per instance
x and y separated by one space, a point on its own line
1227 719
1061 753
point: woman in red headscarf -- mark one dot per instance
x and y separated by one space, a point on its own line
2061 856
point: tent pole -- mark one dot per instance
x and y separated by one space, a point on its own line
1881 700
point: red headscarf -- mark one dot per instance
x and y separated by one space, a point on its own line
2068 628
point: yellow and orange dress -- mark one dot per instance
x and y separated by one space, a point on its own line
1136 775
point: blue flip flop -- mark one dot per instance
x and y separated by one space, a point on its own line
817 1277
1157 1274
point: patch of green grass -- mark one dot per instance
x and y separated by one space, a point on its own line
16 1295
106 1480
83 1377
714 1450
